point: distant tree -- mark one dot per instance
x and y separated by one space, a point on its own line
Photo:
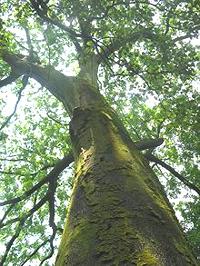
102 84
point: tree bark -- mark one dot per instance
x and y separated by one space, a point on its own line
119 213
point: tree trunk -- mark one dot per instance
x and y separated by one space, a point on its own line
119 213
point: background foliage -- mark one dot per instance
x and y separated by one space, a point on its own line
149 74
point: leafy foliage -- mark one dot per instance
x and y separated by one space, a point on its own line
148 72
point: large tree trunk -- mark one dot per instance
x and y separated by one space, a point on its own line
119 213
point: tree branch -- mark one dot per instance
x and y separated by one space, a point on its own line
10 243
11 78
152 158
5 214
124 40
51 247
19 228
58 168
54 119
51 192
34 252
169 15
57 83
29 43
148 143
24 84
43 14
63 163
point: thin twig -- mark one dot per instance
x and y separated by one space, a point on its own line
24 83
34 252
6 214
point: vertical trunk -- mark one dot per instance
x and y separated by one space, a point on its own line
119 214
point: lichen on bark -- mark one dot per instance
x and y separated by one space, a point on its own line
119 214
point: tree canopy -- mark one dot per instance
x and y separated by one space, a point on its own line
147 57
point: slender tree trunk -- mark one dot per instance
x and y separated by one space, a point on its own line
119 213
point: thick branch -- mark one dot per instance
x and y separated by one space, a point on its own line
148 144
8 80
57 83
152 158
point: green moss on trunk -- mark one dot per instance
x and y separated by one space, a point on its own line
119 213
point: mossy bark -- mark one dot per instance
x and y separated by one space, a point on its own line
119 213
